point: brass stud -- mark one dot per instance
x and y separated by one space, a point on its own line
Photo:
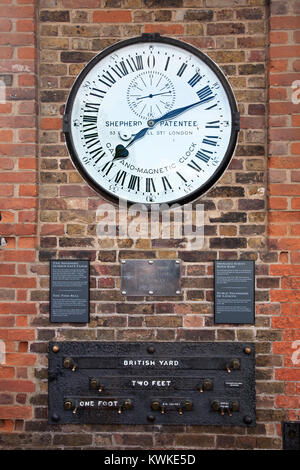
68 405
55 348
247 350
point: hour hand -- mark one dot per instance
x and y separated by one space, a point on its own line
121 152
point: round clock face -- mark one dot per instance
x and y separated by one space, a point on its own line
151 120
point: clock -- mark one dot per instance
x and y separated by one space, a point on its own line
151 120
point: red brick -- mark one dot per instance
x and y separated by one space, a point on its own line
19 359
277 203
15 412
164 29
6 52
287 374
284 296
17 12
5 25
17 335
28 190
278 66
26 52
284 51
26 80
284 22
16 386
7 164
51 123
295 147
25 26
277 37
112 16
17 308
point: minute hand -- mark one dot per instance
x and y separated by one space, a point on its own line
176 112
166 117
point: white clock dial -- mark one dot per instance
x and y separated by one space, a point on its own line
151 121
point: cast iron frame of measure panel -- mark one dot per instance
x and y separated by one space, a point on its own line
143 383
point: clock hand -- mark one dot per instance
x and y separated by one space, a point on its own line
176 112
155 94
122 152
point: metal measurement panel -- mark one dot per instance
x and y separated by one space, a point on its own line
160 383
140 277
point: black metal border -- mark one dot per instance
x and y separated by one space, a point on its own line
155 37
252 322
63 383
89 295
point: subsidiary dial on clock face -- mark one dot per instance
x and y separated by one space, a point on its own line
151 122
150 94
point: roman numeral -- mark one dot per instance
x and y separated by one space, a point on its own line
212 125
98 93
122 68
89 123
91 139
167 63
208 141
108 166
91 119
151 61
98 152
181 70
195 166
150 187
202 154
204 93
166 183
211 107
134 182
137 62
120 177
92 107
195 79
107 79
182 177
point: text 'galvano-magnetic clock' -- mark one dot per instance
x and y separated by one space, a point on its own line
151 120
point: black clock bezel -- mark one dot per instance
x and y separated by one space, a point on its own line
146 38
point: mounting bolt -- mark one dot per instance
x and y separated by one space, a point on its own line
151 418
124 292
55 348
247 419
150 292
177 261
150 261
123 261
178 292
247 350
151 349
55 417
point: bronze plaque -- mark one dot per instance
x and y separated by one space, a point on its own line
140 277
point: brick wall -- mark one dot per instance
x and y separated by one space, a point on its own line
240 222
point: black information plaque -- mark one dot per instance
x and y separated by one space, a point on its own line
69 291
140 277
234 292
